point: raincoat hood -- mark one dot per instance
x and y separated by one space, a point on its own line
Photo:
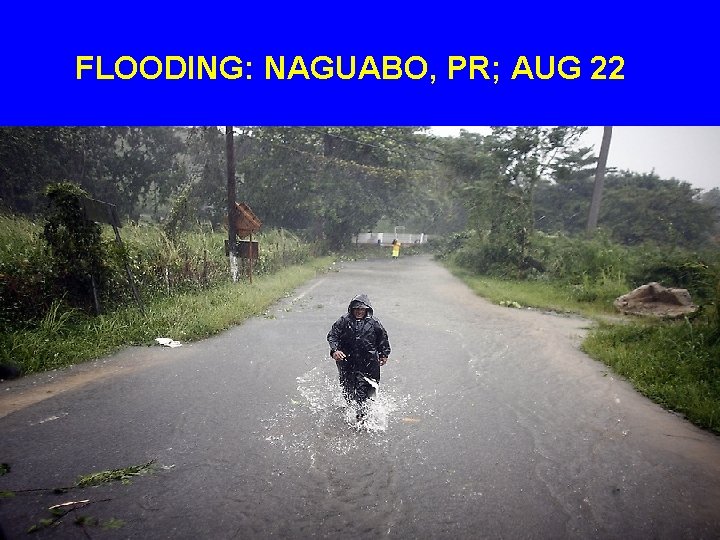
361 299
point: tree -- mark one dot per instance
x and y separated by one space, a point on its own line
332 181
32 158
139 162
119 165
637 208
645 208
502 177
278 174
364 177
711 200
207 178
562 201
599 180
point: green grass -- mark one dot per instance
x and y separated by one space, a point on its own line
123 475
544 295
30 284
17 236
65 338
674 363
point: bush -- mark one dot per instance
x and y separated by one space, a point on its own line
577 259
77 257
451 244
160 266
605 288
697 273
482 258
25 292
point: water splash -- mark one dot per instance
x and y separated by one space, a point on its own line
318 420
322 395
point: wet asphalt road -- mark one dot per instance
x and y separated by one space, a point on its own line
489 424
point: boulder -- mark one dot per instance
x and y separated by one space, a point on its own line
654 300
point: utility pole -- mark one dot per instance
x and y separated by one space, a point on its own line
231 198
599 181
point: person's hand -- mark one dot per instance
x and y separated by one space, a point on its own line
383 360
339 356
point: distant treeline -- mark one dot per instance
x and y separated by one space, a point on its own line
330 183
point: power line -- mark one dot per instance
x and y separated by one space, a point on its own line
379 171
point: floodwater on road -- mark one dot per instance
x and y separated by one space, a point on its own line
489 423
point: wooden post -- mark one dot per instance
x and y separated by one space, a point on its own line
232 233
128 271
204 275
96 300
102 212
251 258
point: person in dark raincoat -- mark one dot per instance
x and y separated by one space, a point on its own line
359 345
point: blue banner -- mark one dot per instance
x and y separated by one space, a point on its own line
391 63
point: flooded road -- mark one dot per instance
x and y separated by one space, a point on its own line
489 423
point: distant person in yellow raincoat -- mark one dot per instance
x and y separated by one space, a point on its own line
396 249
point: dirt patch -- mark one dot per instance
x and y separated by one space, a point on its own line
20 393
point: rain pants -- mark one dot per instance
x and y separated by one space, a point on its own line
362 341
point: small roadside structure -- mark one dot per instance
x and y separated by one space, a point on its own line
654 300
245 224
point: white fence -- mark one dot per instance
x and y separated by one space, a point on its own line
386 239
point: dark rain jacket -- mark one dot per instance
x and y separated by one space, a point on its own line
361 340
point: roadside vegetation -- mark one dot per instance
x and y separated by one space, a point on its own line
509 212
184 285
676 363
533 239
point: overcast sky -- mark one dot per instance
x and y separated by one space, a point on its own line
690 154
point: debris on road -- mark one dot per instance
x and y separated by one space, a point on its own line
168 342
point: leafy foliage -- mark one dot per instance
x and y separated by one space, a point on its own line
636 208
33 289
501 178
204 198
569 258
644 208
124 166
75 247
330 183
123 475
338 181
674 364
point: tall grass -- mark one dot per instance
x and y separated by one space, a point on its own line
18 238
594 299
69 337
23 271
160 266
184 284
